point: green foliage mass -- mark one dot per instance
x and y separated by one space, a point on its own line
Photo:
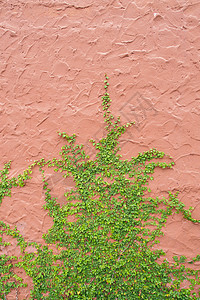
108 252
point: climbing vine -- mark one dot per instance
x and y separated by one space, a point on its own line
108 252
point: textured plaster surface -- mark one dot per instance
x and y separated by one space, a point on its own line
52 62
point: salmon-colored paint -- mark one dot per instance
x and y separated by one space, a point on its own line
54 55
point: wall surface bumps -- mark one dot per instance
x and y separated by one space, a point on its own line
54 55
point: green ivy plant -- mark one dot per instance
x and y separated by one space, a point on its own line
108 252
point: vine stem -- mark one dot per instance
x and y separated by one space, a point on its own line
17 295
121 255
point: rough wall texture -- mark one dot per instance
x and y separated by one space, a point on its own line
53 58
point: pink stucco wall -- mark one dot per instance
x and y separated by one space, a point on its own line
54 55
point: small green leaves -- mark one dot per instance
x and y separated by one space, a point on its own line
104 232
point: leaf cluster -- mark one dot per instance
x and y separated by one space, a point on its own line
108 252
